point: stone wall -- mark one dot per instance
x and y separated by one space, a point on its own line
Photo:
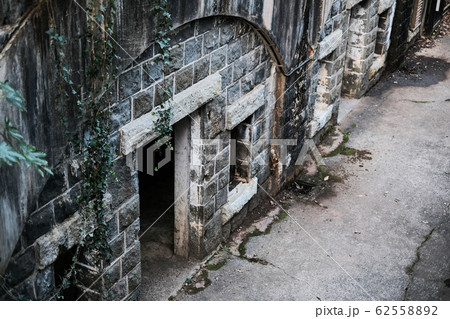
232 91
28 62
216 49
328 70
368 44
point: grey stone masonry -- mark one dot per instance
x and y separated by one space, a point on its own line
327 75
231 50
229 102
57 228
368 42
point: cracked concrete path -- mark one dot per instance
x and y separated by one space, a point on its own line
383 233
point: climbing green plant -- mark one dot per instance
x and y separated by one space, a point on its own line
91 141
13 147
163 37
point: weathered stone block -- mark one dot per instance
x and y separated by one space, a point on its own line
246 43
117 246
112 226
213 115
260 74
134 278
237 199
210 190
218 59
200 173
184 79
120 114
143 102
67 204
38 224
227 76
197 212
129 82
247 83
45 283
177 54
201 69
131 258
221 197
330 43
119 291
212 234
234 51
224 177
132 233
210 41
209 210
21 266
222 160
234 92
151 72
193 50
112 275
238 218
260 146
55 185
244 107
129 213
123 184
226 34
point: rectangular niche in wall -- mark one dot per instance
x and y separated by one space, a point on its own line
383 34
241 145
382 43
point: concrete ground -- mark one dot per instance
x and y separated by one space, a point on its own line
383 232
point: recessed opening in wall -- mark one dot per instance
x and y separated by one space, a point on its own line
240 155
383 34
61 266
163 194
156 193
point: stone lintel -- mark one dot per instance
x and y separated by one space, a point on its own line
244 107
384 5
237 199
141 131
352 3
330 43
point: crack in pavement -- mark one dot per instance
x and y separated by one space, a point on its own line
427 237
265 263
410 269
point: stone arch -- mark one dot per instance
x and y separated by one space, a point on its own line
282 24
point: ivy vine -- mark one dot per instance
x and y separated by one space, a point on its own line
90 98
163 37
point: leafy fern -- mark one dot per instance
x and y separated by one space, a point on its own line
14 149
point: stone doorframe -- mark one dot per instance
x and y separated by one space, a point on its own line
140 132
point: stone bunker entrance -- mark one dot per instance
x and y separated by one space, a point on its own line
156 194
222 104
163 185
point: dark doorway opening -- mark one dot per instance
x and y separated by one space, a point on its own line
156 201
